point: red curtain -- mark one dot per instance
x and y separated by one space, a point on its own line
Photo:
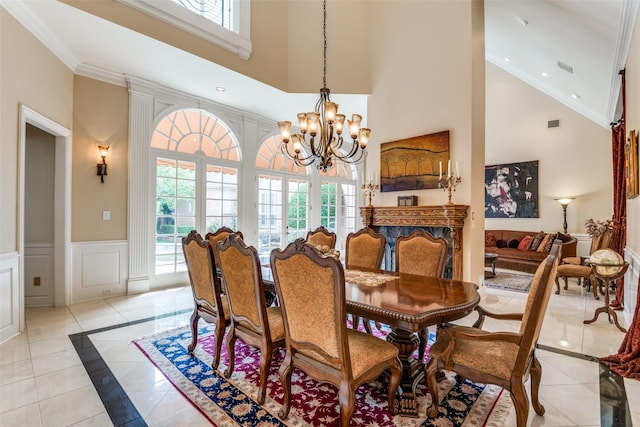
619 241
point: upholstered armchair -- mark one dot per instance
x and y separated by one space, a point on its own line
502 358
422 254
208 303
250 318
322 237
311 291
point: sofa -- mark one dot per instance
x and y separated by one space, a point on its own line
524 250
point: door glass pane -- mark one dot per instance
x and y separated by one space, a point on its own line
297 209
269 215
221 198
328 205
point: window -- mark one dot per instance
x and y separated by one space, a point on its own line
226 23
196 182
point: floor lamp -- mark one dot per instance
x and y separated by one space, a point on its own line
564 202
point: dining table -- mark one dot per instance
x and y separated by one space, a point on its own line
408 304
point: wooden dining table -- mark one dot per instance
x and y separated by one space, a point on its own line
408 304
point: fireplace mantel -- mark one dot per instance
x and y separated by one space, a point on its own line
446 216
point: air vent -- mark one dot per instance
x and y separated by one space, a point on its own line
568 68
553 123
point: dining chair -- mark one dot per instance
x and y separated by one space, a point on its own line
424 255
502 358
311 290
208 302
322 237
250 318
364 249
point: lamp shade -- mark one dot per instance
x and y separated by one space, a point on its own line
564 201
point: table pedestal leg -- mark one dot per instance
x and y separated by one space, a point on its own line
412 370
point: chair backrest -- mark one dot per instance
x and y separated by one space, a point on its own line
322 236
241 275
220 234
365 248
537 302
198 255
311 292
420 253
601 241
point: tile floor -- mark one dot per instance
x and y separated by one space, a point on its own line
44 383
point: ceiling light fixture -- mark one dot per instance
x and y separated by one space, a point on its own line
507 59
544 74
325 120
220 89
524 22
575 96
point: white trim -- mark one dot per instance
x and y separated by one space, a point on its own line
9 289
631 284
237 42
99 269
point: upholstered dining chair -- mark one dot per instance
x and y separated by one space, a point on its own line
322 237
250 318
574 267
311 291
208 302
422 254
502 358
364 249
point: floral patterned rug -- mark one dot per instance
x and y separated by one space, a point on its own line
230 402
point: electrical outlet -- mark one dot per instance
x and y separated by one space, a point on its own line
36 281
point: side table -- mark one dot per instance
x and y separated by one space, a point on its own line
490 259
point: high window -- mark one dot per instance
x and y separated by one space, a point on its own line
196 182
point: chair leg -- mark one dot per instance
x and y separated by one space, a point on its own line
557 286
394 382
194 330
265 363
432 385
286 368
536 376
219 335
347 400
422 335
231 351
594 285
521 403
566 283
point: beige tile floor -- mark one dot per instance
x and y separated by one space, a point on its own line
43 383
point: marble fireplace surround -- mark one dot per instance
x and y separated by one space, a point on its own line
441 220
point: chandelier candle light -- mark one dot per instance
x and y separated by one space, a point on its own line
449 182
323 148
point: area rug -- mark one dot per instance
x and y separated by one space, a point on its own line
230 402
518 282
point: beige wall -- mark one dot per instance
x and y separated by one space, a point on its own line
632 76
33 76
574 159
100 117
286 42
425 79
39 179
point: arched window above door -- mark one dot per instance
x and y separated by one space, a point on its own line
270 157
195 131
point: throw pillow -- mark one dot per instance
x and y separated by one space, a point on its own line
525 242
489 239
536 241
546 243
501 243
513 243
564 237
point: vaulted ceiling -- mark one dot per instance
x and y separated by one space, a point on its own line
571 50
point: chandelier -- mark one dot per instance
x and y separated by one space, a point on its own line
326 122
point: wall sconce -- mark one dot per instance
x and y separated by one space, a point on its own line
102 167
564 201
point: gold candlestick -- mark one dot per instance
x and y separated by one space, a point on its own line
448 184
370 191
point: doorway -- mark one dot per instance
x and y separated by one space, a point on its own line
61 283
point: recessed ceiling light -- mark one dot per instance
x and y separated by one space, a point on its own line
220 89
544 74
524 22
575 96
507 59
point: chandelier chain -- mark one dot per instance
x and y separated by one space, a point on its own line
324 35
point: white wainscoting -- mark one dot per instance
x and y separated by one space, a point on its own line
631 283
584 244
38 262
100 269
10 301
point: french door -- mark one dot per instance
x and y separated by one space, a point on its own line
283 211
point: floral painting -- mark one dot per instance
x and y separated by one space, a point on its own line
413 163
511 190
